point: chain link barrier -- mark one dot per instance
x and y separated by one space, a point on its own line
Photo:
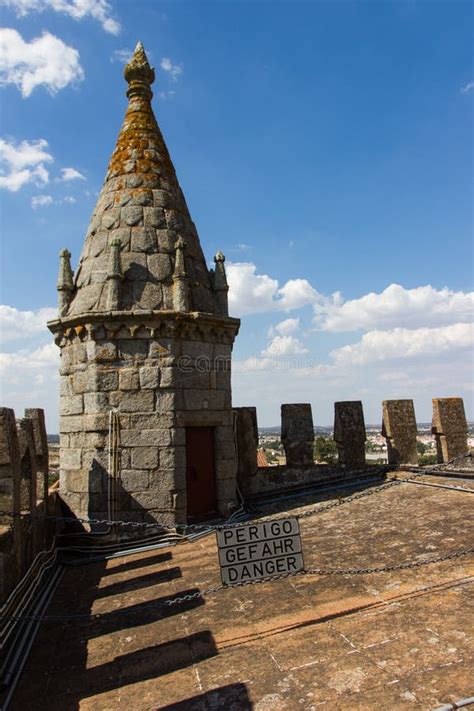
220 526
206 527
167 604
329 571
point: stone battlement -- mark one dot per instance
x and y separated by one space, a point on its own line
297 433
24 492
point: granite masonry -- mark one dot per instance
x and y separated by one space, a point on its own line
36 416
449 427
297 434
146 344
22 459
246 436
349 433
400 430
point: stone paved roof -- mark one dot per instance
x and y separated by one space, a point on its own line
394 640
142 205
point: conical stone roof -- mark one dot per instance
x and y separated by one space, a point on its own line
142 205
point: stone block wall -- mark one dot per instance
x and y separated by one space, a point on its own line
158 381
246 436
297 434
349 433
36 416
400 430
449 426
11 557
23 535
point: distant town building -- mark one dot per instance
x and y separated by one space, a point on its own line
262 460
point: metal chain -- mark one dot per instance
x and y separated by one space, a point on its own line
221 526
218 588
376 489
389 568
326 572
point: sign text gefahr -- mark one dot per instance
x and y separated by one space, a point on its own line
259 550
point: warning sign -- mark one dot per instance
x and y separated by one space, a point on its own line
259 550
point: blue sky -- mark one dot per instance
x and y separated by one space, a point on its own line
324 147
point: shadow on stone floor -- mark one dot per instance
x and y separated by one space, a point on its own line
138 564
143 613
233 697
141 665
65 680
143 581
66 691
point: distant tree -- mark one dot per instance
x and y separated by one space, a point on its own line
325 450
424 459
421 447
372 446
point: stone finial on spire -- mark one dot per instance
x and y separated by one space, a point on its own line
139 75
114 275
65 284
221 286
180 278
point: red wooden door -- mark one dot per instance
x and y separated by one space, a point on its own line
200 472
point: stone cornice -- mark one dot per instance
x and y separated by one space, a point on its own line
144 324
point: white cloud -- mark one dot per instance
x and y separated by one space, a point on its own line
45 200
16 324
286 327
165 95
41 201
22 163
173 70
284 346
469 87
253 364
122 55
99 10
29 375
45 61
241 247
24 154
250 292
417 345
404 343
395 306
267 382
68 174
295 294
14 365
29 378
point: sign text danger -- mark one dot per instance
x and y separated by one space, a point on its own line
259 550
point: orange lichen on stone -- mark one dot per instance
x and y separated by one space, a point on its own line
141 193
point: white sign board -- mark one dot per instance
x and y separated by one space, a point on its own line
259 550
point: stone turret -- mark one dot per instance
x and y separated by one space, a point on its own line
221 286
114 275
180 278
65 284
144 333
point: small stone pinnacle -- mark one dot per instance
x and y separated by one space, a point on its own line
139 74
